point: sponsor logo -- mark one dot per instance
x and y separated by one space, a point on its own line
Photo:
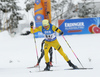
78 25
39 17
74 24
37 2
47 32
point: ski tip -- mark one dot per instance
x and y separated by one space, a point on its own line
85 68
30 67
79 69
33 67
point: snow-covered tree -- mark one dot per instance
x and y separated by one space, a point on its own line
10 16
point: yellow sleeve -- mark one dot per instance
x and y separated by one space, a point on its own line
36 29
54 28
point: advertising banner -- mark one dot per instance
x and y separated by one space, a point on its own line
80 26
47 8
38 12
41 8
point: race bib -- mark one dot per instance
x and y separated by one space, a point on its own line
50 37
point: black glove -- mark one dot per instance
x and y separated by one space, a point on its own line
61 33
31 24
42 50
27 33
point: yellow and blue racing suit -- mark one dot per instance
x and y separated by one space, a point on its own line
51 40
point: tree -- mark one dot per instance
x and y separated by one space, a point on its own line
10 9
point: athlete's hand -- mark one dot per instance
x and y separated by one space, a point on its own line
31 24
42 50
61 33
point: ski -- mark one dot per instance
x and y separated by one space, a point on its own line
45 71
42 71
37 67
32 67
79 69
64 69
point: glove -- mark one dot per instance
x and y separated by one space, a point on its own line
27 33
42 50
31 24
61 33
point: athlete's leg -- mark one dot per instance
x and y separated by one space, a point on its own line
50 52
46 50
57 46
42 54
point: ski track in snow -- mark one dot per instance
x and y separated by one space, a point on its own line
18 53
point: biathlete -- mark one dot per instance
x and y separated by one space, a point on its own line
42 54
51 41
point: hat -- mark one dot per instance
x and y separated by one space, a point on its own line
45 22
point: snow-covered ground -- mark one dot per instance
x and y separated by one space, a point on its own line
18 53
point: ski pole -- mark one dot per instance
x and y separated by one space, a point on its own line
36 47
72 51
55 55
35 41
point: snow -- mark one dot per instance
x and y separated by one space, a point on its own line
81 1
18 53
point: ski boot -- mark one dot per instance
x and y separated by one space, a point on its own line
36 65
51 64
72 65
47 68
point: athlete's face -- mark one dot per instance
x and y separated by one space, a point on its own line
46 27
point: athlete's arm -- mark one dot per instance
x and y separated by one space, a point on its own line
54 28
36 29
